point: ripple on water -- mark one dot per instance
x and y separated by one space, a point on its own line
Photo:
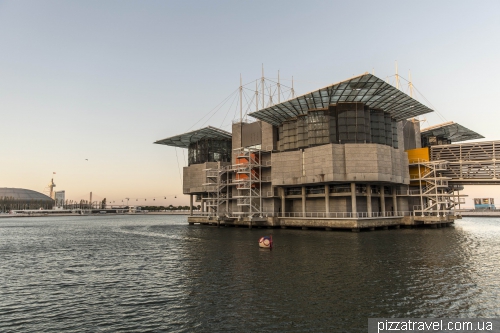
156 273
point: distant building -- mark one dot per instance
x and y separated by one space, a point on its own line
60 198
18 198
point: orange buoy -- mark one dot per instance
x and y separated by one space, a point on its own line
266 242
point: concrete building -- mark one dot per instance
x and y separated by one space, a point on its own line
348 155
60 199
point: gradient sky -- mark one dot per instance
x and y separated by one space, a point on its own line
102 80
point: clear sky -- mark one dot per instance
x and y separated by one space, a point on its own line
102 80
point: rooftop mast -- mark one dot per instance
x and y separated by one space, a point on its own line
241 101
279 91
410 84
256 96
262 83
397 75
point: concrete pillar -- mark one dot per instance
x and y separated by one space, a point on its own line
394 199
203 205
283 201
353 198
369 199
382 200
327 199
303 200
190 205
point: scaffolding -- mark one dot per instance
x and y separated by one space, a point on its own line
248 171
437 196
217 190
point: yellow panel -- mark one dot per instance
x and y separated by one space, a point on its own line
419 154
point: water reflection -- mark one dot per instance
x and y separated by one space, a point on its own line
337 280
155 273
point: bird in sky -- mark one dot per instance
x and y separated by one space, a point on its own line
86 159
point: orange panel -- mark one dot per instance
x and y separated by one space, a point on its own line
419 154
414 155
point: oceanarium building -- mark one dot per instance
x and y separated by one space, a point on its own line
349 155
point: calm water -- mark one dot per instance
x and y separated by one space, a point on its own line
157 274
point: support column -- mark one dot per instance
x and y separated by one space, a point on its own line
303 200
283 201
382 200
369 199
190 205
327 199
353 199
394 200
202 205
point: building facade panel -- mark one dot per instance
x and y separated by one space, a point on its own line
340 163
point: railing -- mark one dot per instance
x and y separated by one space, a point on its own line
315 190
343 214
212 173
340 215
243 201
208 214
340 189
411 192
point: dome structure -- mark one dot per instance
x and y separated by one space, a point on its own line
19 198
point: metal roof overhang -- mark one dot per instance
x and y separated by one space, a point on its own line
366 88
451 131
183 140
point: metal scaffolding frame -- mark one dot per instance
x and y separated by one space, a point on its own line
216 188
437 196
248 171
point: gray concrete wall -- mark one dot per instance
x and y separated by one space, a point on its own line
268 137
315 205
413 201
374 162
401 138
194 176
418 136
340 204
286 168
361 204
376 204
295 205
236 131
341 163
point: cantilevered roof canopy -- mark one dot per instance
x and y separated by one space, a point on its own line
183 140
451 131
366 88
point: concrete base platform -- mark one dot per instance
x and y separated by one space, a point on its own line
354 225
